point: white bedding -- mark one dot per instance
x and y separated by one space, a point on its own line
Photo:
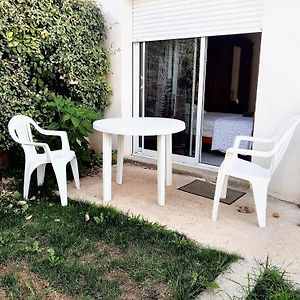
209 119
224 127
227 128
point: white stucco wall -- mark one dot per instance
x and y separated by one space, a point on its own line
278 95
118 16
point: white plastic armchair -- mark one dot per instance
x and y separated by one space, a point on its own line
258 176
20 131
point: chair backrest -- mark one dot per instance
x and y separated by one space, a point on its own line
282 141
20 131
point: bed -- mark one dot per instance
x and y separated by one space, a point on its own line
220 129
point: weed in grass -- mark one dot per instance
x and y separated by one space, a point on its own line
34 248
52 257
272 284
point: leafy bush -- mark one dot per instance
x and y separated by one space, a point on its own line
51 47
77 121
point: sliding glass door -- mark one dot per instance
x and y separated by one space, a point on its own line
169 73
171 79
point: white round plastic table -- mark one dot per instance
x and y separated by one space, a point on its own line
163 128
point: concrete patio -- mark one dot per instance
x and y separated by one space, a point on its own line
234 231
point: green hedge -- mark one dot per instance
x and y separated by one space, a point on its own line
50 47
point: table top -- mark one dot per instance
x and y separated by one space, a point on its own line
139 126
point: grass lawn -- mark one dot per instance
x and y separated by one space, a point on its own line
83 251
273 284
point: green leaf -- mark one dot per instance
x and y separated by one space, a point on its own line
87 125
213 285
24 208
51 105
66 117
83 131
100 219
40 83
36 247
58 100
9 34
75 121
53 126
17 195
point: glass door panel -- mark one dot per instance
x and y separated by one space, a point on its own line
170 77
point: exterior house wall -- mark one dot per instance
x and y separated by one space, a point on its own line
278 94
118 16
278 91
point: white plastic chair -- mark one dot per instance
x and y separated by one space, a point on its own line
20 131
258 176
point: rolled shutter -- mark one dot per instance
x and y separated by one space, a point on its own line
173 19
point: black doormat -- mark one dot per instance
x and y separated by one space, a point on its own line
207 190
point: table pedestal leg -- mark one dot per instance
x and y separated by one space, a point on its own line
106 169
161 165
120 157
168 159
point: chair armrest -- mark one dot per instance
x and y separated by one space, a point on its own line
240 138
250 152
42 145
62 134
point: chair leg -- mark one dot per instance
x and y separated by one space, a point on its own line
40 171
61 177
74 167
224 187
260 189
27 176
218 192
